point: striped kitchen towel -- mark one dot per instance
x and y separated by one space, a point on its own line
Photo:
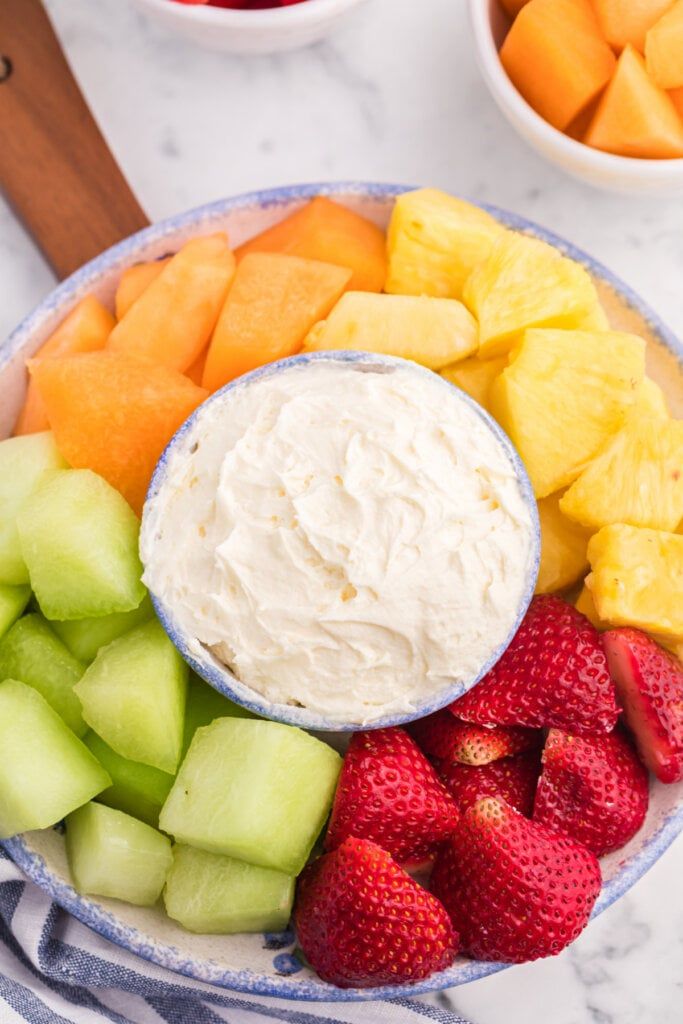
54 970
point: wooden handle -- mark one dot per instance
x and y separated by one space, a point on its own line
55 167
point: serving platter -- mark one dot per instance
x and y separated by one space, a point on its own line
267 964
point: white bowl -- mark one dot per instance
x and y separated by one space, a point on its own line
267 964
262 31
604 170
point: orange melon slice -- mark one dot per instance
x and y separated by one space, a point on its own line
114 414
556 57
513 7
325 230
133 283
677 99
272 305
196 371
85 329
172 321
626 22
664 49
636 118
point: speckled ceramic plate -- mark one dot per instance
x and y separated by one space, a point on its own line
266 964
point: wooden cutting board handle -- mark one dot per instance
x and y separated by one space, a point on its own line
55 167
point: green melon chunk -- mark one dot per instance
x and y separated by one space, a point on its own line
254 790
204 705
79 539
24 461
112 854
136 788
84 637
133 696
13 601
45 771
32 653
216 895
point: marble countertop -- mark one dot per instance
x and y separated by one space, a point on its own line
395 96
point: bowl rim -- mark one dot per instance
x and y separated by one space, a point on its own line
102 921
633 169
266 18
220 676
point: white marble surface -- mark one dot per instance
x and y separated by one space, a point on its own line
394 96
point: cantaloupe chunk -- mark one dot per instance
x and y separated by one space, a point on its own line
325 230
133 282
677 99
173 319
557 58
196 371
513 7
635 117
85 329
272 305
625 22
114 414
664 49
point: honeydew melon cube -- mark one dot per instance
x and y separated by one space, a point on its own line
112 854
216 895
79 539
254 790
204 705
84 637
136 788
24 461
13 601
133 696
45 771
32 653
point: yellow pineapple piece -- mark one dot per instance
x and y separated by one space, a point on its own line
650 400
586 605
434 332
563 548
637 578
526 283
563 396
475 376
636 479
434 240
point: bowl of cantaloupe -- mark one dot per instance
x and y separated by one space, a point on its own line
596 86
137 796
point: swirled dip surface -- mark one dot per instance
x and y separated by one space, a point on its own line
345 540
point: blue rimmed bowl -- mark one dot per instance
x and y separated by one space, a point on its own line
199 656
265 964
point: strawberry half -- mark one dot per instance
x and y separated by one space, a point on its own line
592 788
553 674
388 792
362 921
512 778
650 687
444 736
515 891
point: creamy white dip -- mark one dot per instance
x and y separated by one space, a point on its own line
347 541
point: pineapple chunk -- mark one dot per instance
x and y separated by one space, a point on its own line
586 605
526 283
475 376
434 240
434 332
636 479
563 396
650 401
563 548
637 578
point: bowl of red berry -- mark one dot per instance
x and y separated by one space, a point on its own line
249 26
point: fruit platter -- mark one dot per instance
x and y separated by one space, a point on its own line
318 777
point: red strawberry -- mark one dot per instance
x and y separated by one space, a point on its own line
592 788
650 687
515 890
362 921
444 736
513 779
554 673
388 792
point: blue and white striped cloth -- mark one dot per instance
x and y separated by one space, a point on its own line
54 970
